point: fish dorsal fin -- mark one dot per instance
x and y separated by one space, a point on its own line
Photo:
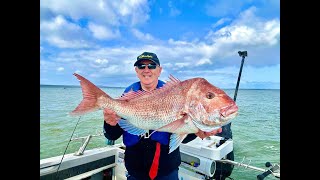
140 94
169 83
172 81
133 94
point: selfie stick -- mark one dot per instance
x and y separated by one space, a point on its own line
242 54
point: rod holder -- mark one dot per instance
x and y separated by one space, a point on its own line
83 147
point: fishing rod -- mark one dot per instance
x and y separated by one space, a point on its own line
57 173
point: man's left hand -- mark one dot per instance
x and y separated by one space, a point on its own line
202 134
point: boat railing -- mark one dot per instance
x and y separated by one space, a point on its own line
205 166
85 142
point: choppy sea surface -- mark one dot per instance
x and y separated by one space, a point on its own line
256 129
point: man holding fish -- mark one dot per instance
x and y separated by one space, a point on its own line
154 153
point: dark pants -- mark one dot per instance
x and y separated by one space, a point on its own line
172 176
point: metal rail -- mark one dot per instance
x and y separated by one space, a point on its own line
85 143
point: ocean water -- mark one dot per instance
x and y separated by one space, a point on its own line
256 129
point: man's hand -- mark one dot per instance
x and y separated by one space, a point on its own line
202 134
110 117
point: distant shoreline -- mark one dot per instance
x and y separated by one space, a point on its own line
77 86
73 86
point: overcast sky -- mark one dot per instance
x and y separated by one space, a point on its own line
101 40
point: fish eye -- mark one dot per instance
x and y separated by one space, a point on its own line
210 95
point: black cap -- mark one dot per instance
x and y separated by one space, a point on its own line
147 56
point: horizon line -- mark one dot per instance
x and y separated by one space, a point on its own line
103 86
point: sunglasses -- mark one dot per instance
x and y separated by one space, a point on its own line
143 66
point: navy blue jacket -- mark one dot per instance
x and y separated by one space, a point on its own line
139 153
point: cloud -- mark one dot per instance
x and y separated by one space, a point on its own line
111 13
203 61
72 24
62 43
178 55
102 32
99 63
111 69
142 36
63 34
220 22
248 30
182 64
60 69
102 40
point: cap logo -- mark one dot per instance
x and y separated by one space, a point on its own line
145 56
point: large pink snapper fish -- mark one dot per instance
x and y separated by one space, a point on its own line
179 107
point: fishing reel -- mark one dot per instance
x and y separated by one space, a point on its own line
274 170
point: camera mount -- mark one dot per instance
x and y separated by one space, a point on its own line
243 53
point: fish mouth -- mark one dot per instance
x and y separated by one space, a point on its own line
205 127
214 121
220 118
230 116
229 110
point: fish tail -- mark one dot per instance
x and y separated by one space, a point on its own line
90 94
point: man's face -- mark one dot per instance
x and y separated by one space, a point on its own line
148 76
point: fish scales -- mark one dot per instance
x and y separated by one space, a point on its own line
179 107
153 112
159 107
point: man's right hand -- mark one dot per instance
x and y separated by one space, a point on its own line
110 117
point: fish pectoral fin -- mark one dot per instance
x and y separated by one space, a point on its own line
175 141
171 127
130 128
